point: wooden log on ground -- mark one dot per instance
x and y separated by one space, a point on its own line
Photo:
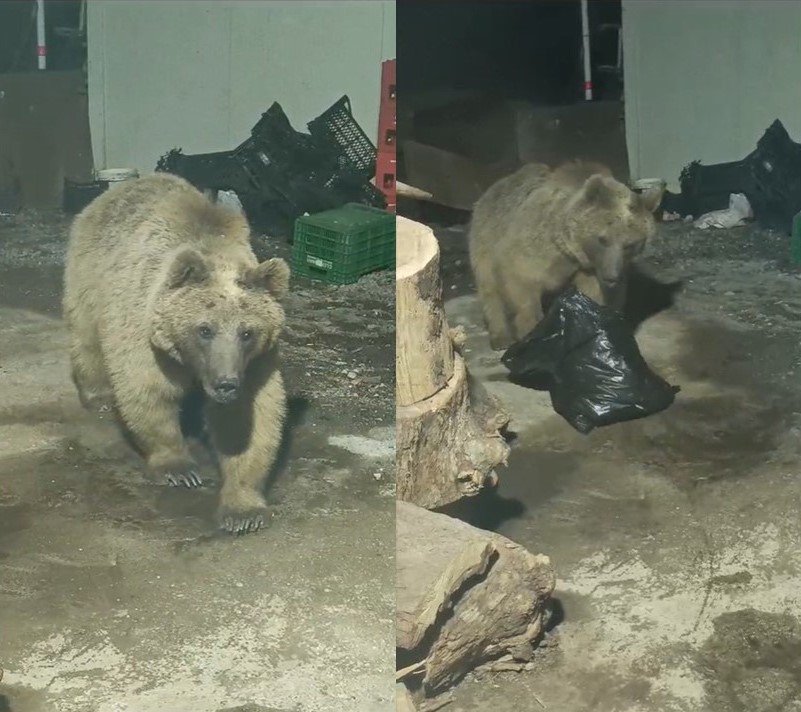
409 191
464 596
449 438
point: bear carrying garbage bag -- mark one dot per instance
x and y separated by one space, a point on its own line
586 355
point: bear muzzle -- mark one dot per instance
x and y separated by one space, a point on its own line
225 390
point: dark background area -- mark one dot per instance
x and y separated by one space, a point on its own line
44 116
66 49
523 50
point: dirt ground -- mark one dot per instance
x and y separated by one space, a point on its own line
119 595
675 537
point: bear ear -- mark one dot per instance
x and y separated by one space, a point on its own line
271 275
597 191
650 200
187 267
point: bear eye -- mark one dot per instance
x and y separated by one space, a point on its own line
603 241
204 332
246 335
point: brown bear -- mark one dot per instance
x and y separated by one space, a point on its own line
539 230
162 295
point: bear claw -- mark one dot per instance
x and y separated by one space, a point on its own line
243 522
97 403
188 478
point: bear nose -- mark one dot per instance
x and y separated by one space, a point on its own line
226 386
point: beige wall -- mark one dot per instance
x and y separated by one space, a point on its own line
198 74
705 78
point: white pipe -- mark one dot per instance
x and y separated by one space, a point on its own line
41 43
585 33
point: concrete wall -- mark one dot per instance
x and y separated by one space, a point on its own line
705 78
198 74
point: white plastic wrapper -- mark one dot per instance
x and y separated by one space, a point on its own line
738 213
229 199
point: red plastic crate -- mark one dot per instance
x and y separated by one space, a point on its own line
386 161
386 116
387 112
386 138
386 168
388 83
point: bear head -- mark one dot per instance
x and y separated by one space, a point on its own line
216 320
612 225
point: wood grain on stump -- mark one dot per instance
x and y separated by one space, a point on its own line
423 350
448 427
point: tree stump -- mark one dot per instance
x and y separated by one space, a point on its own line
464 596
449 438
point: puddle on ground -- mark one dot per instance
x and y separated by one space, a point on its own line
14 518
15 698
704 439
752 662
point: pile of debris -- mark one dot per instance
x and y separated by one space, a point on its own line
279 174
769 177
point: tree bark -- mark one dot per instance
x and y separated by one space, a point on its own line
449 438
464 595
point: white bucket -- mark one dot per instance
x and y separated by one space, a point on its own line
646 185
117 175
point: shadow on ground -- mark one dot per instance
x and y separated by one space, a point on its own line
673 536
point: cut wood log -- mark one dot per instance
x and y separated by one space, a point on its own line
409 191
423 350
464 595
449 438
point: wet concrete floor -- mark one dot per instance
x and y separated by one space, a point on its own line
675 538
117 594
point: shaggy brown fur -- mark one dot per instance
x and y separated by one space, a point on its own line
538 230
164 294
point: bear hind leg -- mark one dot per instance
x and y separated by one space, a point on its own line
527 317
89 376
498 324
493 308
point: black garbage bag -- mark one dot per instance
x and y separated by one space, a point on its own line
769 176
586 355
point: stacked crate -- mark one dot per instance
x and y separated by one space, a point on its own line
386 161
340 245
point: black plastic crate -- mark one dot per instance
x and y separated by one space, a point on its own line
337 124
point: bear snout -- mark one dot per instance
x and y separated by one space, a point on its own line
225 390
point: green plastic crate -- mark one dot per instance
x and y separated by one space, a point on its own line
339 246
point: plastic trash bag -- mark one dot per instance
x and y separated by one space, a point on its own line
230 199
737 214
585 354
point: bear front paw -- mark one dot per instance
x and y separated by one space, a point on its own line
187 478
243 521
182 477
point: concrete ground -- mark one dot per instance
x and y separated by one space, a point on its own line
675 538
118 595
